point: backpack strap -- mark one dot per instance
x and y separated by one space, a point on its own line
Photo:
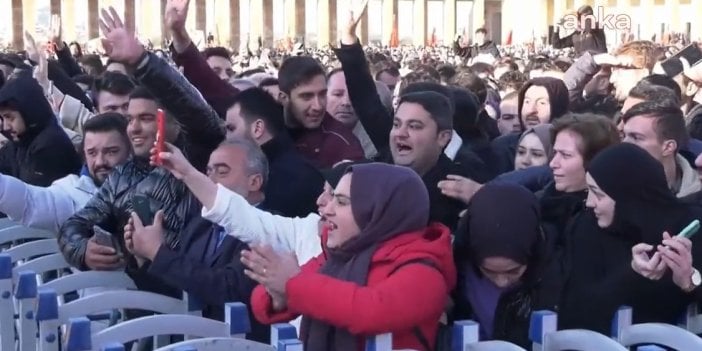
416 331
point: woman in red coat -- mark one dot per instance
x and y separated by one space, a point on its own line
383 270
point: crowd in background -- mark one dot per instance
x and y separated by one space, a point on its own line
367 189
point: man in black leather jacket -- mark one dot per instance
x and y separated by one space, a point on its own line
201 132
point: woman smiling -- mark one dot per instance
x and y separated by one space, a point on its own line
377 249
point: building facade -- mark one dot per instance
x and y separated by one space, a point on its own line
234 22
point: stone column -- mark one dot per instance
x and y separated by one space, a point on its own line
450 21
129 15
234 26
326 23
300 20
268 23
93 18
419 34
201 16
17 25
389 13
55 7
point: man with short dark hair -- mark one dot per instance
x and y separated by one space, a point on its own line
422 127
219 60
660 129
317 135
294 183
105 146
111 92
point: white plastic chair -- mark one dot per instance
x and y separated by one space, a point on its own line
219 344
660 334
33 249
51 316
11 232
81 339
7 307
581 340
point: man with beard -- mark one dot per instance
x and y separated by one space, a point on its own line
105 146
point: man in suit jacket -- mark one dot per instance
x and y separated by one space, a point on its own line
207 266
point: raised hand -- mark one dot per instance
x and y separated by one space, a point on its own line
55 32
172 159
176 14
349 35
119 44
30 46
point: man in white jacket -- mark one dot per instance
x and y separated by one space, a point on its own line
105 146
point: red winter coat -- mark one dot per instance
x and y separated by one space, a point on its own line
415 295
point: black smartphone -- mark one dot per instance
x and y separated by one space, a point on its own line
105 238
144 208
673 66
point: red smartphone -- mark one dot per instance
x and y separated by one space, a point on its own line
160 135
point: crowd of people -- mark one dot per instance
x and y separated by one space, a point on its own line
367 190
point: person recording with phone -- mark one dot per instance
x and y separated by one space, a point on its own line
629 203
207 265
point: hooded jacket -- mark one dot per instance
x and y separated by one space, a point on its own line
43 153
506 146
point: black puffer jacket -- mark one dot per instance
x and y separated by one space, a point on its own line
111 206
43 153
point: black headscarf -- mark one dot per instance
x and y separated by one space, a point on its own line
645 205
502 220
386 201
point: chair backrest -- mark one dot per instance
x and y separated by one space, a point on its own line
282 331
25 294
43 264
121 299
493 345
218 344
89 279
7 308
540 324
80 338
33 249
382 342
581 340
692 321
11 232
660 334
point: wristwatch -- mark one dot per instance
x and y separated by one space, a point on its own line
696 280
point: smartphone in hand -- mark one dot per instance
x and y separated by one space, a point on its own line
160 135
142 205
105 238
